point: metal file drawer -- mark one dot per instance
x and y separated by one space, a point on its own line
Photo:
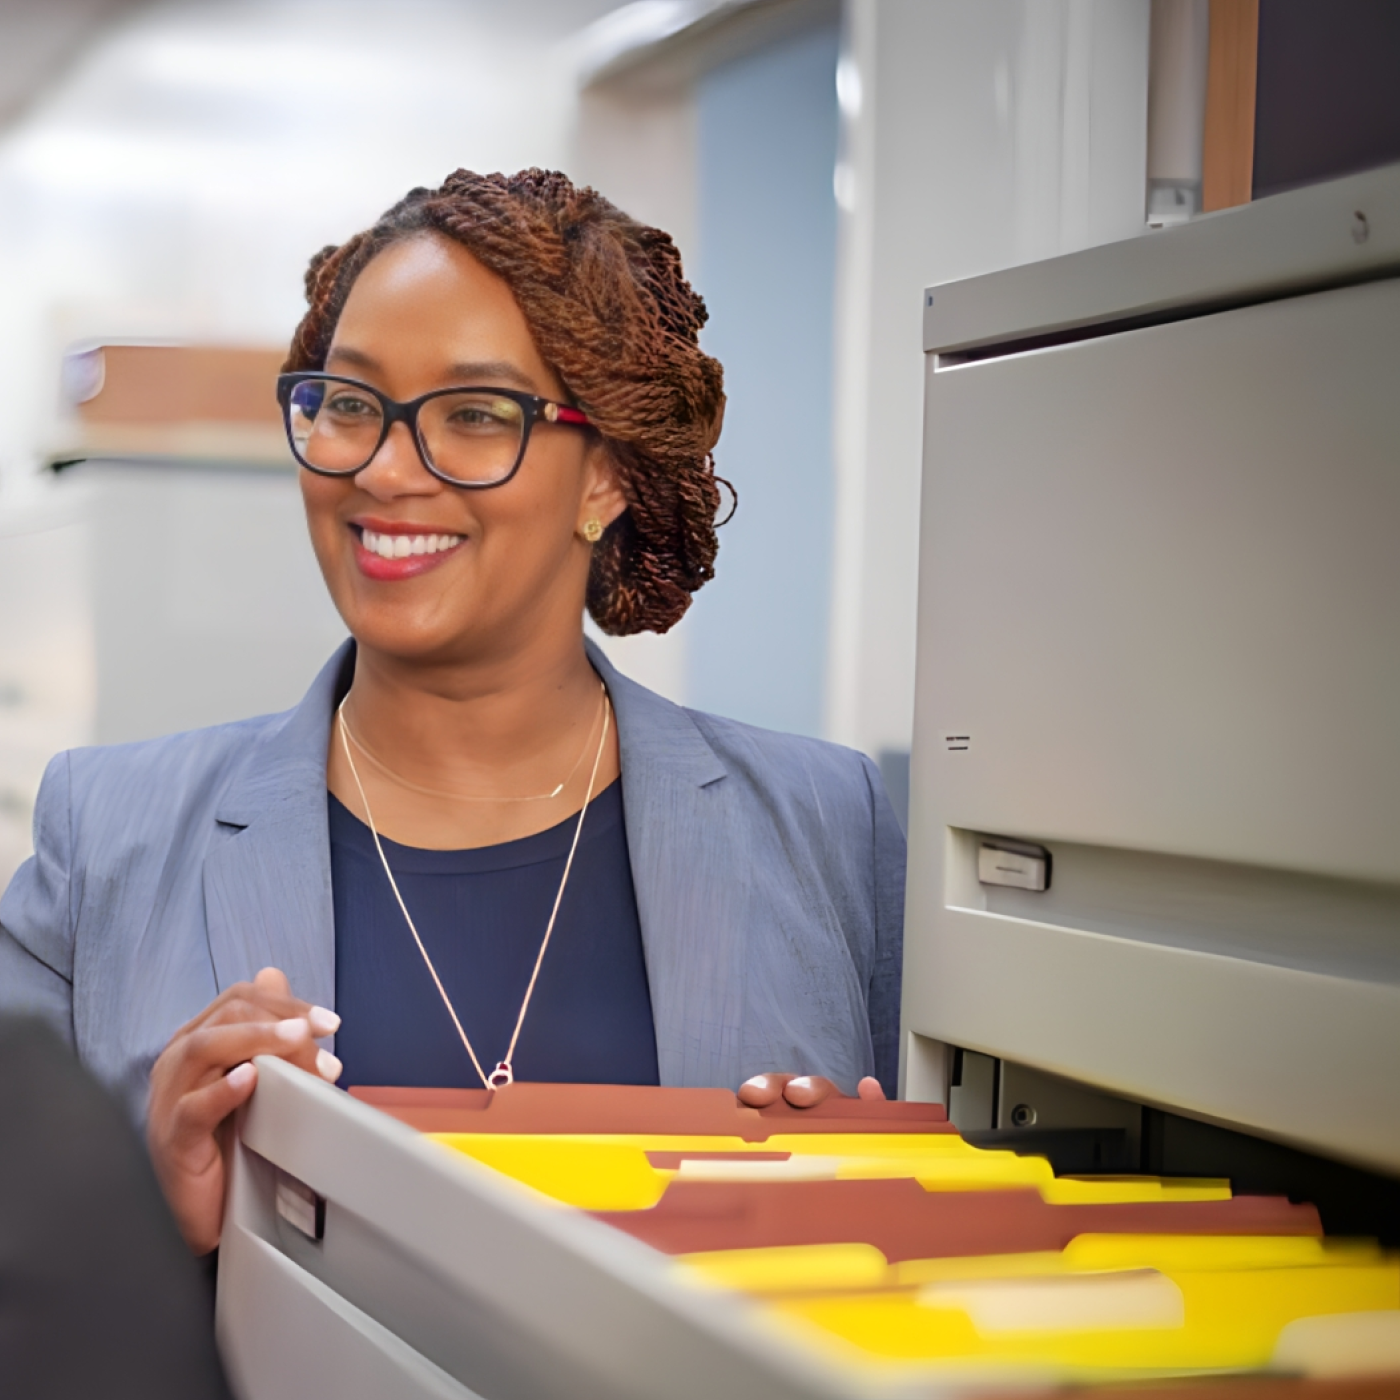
438 1277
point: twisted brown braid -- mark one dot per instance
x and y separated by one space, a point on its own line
610 309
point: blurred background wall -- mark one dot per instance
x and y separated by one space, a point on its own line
165 172
166 169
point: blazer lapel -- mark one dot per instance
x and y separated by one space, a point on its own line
685 847
267 884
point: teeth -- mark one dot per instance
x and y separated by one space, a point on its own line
401 546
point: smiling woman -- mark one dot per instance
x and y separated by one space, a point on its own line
474 839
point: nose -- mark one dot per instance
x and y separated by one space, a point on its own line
397 469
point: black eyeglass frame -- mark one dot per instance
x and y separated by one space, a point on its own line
533 407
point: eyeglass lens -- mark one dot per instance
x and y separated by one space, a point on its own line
471 437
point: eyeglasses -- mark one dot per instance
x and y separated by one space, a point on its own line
466 437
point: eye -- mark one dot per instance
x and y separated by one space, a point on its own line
347 404
480 414
473 416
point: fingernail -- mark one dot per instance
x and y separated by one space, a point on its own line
323 1021
327 1066
240 1075
759 1081
292 1029
802 1082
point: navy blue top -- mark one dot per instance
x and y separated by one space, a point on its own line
482 915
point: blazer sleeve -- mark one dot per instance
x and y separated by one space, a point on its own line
887 966
36 925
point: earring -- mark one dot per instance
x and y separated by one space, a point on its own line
592 530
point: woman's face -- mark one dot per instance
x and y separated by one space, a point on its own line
426 315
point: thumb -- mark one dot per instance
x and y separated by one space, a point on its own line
274 980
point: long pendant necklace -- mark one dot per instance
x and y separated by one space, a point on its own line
504 1072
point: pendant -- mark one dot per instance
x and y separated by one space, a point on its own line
501 1076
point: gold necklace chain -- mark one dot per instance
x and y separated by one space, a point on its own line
388 772
504 1072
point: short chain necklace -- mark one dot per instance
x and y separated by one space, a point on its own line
384 768
504 1072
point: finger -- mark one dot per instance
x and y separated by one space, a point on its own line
808 1090
282 1003
762 1089
241 1002
272 981
870 1089
251 1010
190 1136
197 1054
269 1007
213 1050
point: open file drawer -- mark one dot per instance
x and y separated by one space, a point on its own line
434 1275
438 1277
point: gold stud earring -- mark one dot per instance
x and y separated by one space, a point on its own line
593 530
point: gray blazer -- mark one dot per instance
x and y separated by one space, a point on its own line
769 874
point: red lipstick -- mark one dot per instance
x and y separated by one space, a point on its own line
427 548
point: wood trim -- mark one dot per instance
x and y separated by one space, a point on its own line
1228 167
162 384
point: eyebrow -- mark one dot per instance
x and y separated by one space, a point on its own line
483 372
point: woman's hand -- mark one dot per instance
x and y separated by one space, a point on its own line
801 1091
205 1073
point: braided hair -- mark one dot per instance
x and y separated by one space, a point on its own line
610 309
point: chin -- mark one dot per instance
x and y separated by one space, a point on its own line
414 619
408 638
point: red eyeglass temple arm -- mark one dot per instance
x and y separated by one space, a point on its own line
562 413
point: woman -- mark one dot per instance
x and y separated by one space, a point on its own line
490 852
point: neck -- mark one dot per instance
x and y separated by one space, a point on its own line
490 724
501 729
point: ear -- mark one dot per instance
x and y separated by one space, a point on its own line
603 498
